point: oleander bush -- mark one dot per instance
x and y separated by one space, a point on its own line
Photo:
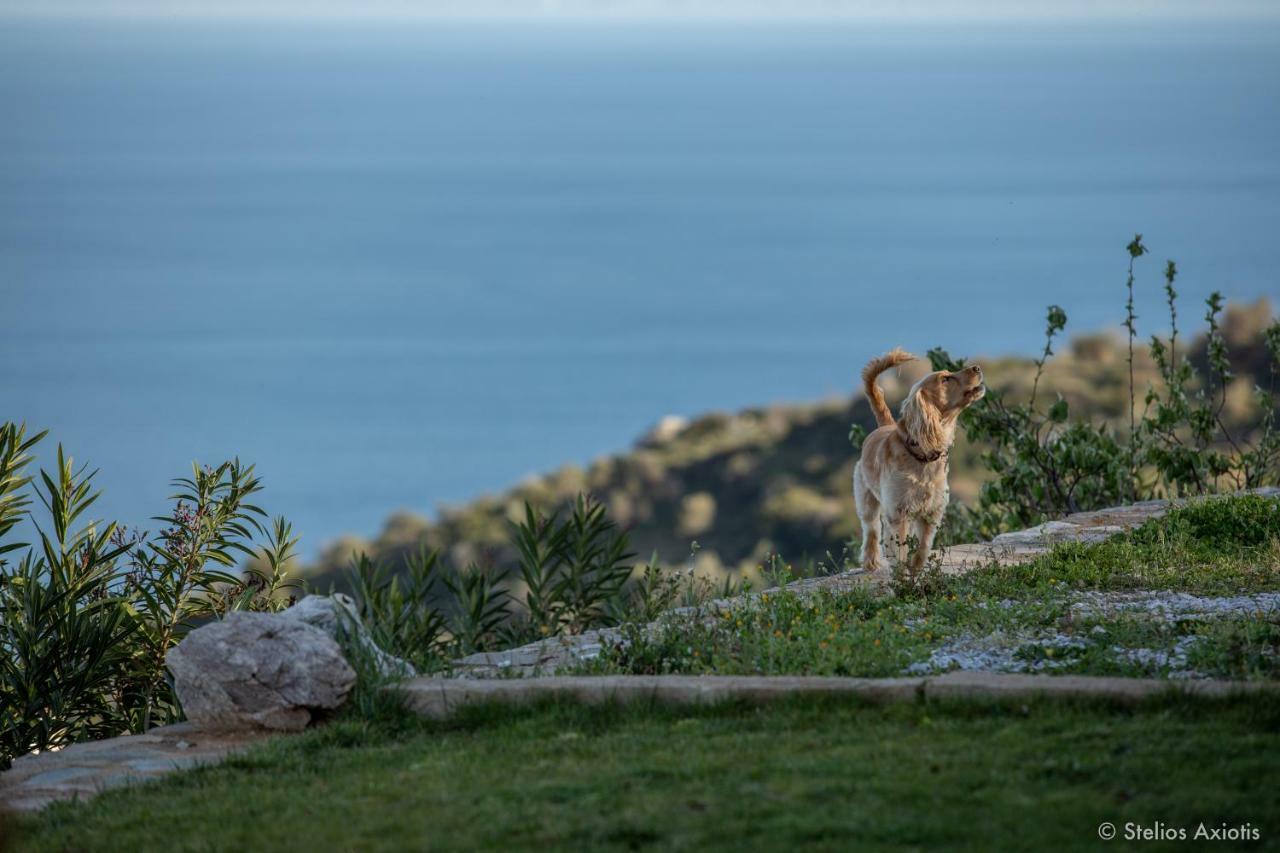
88 612
575 573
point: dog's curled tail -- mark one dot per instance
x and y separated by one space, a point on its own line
874 368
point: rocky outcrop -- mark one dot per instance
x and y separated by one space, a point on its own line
259 670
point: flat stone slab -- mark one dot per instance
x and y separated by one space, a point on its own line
82 770
440 698
972 684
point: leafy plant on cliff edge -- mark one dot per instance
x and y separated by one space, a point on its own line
1046 465
1043 463
1184 435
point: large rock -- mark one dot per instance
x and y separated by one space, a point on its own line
259 670
337 616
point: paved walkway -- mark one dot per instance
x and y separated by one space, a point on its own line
83 769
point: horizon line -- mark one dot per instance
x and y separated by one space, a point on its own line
656 11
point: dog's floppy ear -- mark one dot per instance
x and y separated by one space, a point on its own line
923 422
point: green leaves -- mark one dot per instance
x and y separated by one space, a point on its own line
402 611
64 643
15 455
1055 321
88 614
64 630
857 435
572 568
480 608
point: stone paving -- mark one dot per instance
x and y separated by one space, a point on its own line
83 769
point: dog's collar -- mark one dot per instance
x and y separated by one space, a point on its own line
913 447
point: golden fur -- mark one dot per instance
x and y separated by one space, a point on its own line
902 474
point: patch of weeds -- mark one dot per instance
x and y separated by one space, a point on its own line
1130 646
1059 650
1238 648
925 582
850 633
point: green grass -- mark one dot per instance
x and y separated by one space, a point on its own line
1217 546
807 774
1211 548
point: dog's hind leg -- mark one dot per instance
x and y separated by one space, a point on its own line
869 517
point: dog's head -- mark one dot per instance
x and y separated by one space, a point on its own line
929 413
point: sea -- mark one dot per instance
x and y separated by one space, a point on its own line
402 265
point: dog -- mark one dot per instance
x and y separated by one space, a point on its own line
902 473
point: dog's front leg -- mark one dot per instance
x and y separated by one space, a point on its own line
898 534
925 530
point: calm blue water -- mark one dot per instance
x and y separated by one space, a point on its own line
400 266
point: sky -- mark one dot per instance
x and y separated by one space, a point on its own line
904 11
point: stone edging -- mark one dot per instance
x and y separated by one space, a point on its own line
440 698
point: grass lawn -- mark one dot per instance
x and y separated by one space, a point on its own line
807 774
1193 594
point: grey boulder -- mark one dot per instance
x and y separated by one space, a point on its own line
259 670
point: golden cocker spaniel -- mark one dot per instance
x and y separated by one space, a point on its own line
903 469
